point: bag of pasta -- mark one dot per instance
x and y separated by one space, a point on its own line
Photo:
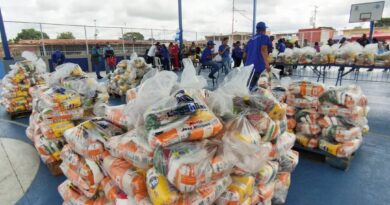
238 192
178 118
282 185
72 195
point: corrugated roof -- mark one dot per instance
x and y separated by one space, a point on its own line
82 42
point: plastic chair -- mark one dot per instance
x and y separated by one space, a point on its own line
157 63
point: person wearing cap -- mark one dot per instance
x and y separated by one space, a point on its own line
224 51
152 53
256 54
207 59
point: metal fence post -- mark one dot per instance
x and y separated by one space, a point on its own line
43 42
123 44
87 50
151 32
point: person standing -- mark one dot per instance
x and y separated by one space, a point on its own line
305 43
207 59
174 51
152 53
237 54
109 59
363 41
256 53
330 42
296 44
224 51
164 53
96 58
57 58
317 47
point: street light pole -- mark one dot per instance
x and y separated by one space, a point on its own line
254 17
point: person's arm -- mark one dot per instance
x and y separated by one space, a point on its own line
264 53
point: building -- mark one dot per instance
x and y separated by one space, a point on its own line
381 33
288 36
312 35
233 37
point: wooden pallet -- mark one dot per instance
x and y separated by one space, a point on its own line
20 114
54 168
122 97
320 155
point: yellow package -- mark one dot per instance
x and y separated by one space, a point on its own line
278 111
159 189
243 185
57 129
68 100
307 141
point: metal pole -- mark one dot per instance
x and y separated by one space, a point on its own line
196 37
254 17
123 44
151 32
43 42
180 25
86 40
372 24
4 41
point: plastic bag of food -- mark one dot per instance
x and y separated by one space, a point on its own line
178 118
55 130
263 193
162 193
238 191
116 115
48 150
303 103
306 88
285 143
72 195
111 191
266 127
289 161
50 115
59 98
263 100
89 138
132 182
342 134
307 55
340 149
234 85
133 147
150 92
242 144
63 71
353 116
348 96
131 94
267 173
282 185
307 141
308 129
291 124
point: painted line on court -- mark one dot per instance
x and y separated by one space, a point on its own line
13 122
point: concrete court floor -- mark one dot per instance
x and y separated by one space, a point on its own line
25 180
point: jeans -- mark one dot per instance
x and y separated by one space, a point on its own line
237 62
96 67
253 78
226 62
214 66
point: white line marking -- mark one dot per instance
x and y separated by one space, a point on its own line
13 122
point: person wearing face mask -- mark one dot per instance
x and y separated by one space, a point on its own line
224 51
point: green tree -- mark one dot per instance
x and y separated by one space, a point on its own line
133 35
30 34
383 22
65 35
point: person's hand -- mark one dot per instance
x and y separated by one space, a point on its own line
268 68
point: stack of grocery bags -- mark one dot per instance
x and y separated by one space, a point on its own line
331 119
128 74
22 76
174 144
66 100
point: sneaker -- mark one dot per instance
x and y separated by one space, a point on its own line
99 77
211 76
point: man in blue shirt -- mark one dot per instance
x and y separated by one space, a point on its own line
224 51
237 54
207 59
57 58
257 54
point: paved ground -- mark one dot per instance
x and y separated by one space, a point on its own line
24 179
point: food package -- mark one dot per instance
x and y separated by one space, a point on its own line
267 173
83 173
289 161
116 115
282 185
48 150
127 75
306 102
131 181
131 94
265 126
242 144
307 141
59 98
263 193
50 115
162 193
285 143
55 130
342 134
190 165
238 192
72 195
89 138
133 147
340 149
64 71
307 54
347 96
306 88
178 118
308 129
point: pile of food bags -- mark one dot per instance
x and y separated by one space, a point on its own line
128 74
331 119
22 76
67 99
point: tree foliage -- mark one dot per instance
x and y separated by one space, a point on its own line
65 35
30 34
383 22
133 35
